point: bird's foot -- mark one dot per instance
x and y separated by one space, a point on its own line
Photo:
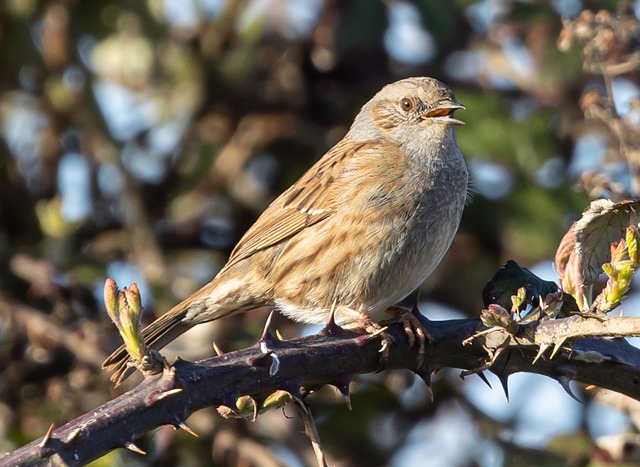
413 328
362 321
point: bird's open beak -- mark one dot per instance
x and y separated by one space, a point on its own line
444 113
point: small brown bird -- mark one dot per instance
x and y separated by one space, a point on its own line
362 229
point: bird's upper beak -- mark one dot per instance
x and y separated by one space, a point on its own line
444 113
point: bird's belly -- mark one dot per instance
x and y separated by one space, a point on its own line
368 269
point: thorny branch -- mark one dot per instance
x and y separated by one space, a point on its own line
334 357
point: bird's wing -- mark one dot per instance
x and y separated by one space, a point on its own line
310 200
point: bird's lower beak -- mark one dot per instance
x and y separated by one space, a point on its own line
444 113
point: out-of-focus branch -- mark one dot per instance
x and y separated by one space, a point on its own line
610 51
41 328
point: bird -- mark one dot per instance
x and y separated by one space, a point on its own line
358 232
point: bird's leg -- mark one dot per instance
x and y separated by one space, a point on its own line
412 327
360 320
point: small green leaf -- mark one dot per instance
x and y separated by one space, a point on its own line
125 308
620 271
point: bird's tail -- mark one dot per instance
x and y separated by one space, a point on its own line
158 334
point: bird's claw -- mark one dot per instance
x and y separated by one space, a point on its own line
416 333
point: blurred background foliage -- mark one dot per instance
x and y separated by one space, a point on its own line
139 140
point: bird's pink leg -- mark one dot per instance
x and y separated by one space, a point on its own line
412 327
360 320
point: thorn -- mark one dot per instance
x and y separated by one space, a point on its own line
73 435
557 347
484 379
186 428
425 376
177 363
265 341
343 388
331 328
267 337
347 401
156 396
504 381
217 349
564 382
47 436
543 348
132 447
168 393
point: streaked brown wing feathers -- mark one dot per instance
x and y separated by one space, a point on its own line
309 201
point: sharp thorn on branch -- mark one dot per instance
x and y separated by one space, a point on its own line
156 396
185 427
342 385
217 349
267 336
484 379
47 436
474 371
169 393
504 382
347 401
331 328
73 435
564 382
132 447
556 347
543 348
346 396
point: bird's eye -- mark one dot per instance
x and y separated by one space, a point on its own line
407 104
